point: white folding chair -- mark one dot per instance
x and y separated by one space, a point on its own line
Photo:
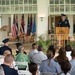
23 72
23 64
47 73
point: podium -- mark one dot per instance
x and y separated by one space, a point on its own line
62 35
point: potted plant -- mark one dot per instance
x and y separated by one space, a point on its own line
44 43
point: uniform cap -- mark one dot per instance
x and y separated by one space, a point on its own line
63 15
5 40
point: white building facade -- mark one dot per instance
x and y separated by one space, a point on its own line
47 13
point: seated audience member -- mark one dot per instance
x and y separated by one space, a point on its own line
72 71
62 56
68 49
1 71
50 65
21 57
33 68
5 47
65 66
40 56
51 47
33 51
17 45
6 52
8 60
55 54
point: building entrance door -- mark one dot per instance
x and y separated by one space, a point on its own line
57 18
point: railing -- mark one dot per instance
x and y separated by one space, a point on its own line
60 40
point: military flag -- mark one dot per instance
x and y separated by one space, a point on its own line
31 23
17 29
34 25
28 27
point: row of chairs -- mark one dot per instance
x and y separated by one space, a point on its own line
26 71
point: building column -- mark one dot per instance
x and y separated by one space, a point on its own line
12 16
42 18
70 18
0 22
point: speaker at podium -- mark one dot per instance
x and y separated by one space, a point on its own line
62 35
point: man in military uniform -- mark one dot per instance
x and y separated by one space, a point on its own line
5 47
64 21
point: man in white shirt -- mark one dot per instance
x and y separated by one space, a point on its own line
1 70
68 49
72 71
40 56
6 52
33 51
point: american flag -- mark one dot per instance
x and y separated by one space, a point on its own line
21 30
22 23
14 28
16 25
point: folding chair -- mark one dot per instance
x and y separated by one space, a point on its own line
47 73
24 64
23 72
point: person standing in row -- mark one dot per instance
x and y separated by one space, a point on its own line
5 47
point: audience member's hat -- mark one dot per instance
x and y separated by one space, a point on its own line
5 40
63 15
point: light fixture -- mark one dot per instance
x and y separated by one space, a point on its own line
41 17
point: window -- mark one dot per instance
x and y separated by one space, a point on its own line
61 1
67 1
51 8
51 1
16 8
30 8
67 8
25 1
12 2
30 1
0 2
12 9
3 2
61 8
56 1
56 8
21 9
34 1
3 9
73 8
7 9
0 9
34 8
20 1
72 1
7 2
16 1
25 8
